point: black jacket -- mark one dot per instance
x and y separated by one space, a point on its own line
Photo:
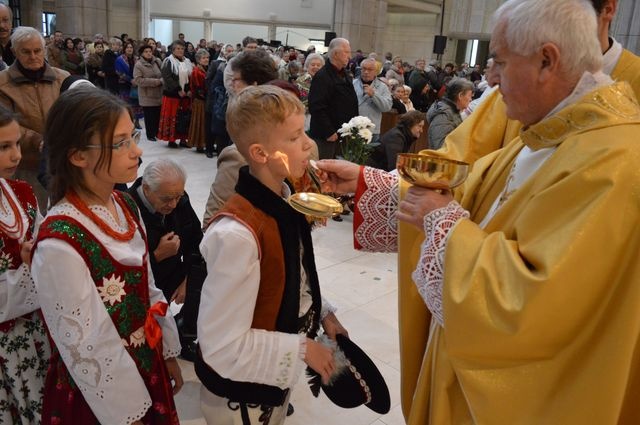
170 272
332 102
395 141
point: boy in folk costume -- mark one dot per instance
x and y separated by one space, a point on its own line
261 305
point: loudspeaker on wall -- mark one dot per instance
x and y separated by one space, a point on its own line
328 36
439 44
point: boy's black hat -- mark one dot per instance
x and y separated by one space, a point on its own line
359 383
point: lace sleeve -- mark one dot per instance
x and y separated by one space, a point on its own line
85 336
429 274
18 294
375 223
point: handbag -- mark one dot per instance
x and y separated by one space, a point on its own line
183 119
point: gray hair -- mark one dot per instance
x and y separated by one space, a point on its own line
23 34
369 60
457 86
162 170
9 10
311 57
200 53
334 44
116 41
571 25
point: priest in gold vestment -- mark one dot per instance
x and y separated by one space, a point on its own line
530 277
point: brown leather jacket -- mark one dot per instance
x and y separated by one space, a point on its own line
32 102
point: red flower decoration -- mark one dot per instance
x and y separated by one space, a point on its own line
160 408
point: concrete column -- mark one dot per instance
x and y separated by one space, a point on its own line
82 18
626 26
31 12
362 22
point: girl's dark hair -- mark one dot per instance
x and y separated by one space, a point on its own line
6 116
66 40
255 67
93 112
411 118
98 43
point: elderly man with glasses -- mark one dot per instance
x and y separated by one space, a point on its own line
173 235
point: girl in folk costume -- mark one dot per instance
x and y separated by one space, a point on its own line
115 341
176 102
197 128
24 349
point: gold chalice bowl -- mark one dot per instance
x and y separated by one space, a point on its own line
430 171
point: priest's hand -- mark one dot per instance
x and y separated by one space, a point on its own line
419 202
337 175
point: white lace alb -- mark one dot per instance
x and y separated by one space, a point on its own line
429 274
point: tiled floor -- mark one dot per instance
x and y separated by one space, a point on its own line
361 285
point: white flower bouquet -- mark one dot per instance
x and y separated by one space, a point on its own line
356 137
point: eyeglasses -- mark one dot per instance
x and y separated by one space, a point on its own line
124 143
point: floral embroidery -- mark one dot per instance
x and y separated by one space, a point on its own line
285 365
5 262
112 290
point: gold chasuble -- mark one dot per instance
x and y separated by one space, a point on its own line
628 69
542 307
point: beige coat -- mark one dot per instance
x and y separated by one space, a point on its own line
148 77
32 102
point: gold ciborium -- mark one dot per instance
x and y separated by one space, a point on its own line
315 204
431 171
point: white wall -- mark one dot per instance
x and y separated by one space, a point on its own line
313 12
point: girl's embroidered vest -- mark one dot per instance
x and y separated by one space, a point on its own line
10 248
125 292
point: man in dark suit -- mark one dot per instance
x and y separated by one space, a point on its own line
174 235
332 99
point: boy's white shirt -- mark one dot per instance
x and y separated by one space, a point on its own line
228 343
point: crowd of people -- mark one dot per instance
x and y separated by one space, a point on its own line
509 304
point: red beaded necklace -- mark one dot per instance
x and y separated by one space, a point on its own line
75 200
17 227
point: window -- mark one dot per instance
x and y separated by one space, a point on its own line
15 8
48 23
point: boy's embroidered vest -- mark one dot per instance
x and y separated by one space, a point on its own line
124 291
10 248
279 232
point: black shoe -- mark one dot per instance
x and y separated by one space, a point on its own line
200 150
173 145
151 139
290 409
188 351
209 154
336 218
184 144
